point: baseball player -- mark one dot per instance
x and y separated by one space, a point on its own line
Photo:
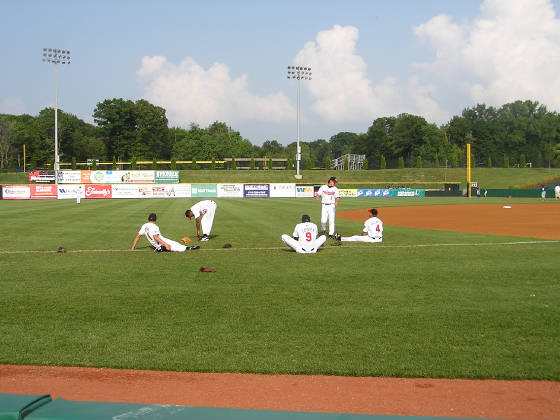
304 240
79 192
159 242
330 197
203 213
543 192
373 230
557 191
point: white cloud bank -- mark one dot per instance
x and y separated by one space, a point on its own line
189 93
512 51
343 91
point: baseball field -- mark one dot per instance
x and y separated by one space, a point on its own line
431 301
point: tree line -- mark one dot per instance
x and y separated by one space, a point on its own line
516 134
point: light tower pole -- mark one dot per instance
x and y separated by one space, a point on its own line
299 73
56 57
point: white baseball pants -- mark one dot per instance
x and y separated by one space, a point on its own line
296 246
328 212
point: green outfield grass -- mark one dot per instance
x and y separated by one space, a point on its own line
421 304
487 178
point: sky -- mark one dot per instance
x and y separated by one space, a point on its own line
227 61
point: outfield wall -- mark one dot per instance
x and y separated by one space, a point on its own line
158 190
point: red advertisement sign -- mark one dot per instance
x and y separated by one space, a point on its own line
40 192
98 191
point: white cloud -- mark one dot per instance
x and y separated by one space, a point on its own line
190 93
511 51
14 106
343 92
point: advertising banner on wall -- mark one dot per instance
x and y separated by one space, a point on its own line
408 193
69 177
41 192
204 190
98 191
380 192
256 190
16 192
68 191
303 191
44 177
167 177
123 177
230 190
125 191
348 192
151 191
282 190
178 190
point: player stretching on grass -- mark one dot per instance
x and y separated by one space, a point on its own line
304 240
159 242
203 213
373 230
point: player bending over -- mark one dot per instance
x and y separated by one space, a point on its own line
304 240
373 230
159 242
203 213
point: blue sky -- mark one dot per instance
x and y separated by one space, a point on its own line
227 60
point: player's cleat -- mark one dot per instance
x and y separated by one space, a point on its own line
192 248
160 248
336 237
204 238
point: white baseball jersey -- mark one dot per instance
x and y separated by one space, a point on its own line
373 227
557 191
307 234
328 194
201 208
150 230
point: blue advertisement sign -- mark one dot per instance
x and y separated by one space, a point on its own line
256 190
380 192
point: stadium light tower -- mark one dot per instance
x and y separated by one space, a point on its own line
56 57
298 73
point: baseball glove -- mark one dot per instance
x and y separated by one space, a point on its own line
186 240
207 269
336 243
61 250
227 246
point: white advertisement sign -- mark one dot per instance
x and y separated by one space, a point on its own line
283 190
16 192
69 177
125 191
177 190
230 190
67 192
304 191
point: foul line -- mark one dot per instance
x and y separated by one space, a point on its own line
365 246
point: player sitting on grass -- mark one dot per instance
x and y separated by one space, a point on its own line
305 240
373 230
159 242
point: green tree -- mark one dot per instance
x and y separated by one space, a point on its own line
173 165
327 163
309 163
7 135
454 160
269 163
114 165
233 163
383 163
290 164
489 161
94 165
419 162
154 163
506 161
194 165
213 164
401 162
346 164
252 164
436 161
522 161
74 163
365 164
133 164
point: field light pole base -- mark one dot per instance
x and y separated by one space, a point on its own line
298 176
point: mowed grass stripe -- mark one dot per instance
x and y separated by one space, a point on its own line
418 305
